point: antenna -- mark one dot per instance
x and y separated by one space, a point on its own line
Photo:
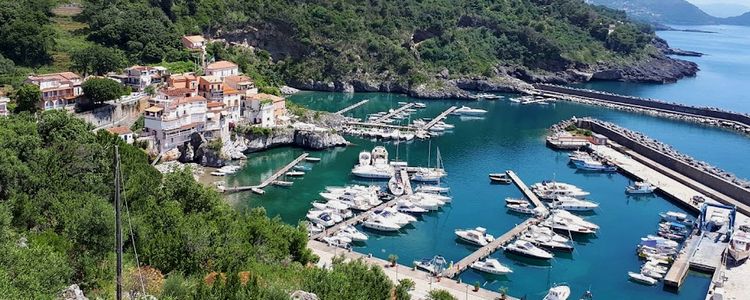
118 229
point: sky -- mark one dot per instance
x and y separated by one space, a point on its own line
741 2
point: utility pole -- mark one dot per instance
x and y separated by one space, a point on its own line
118 230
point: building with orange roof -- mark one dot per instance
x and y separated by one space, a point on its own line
175 114
124 133
193 42
139 77
58 89
186 80
222 69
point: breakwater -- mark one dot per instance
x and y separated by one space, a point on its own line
700 171
704 115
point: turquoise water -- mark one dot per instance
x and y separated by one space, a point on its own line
510 137
722 80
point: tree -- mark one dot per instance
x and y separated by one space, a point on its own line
102 89
27 98
97 60
440 295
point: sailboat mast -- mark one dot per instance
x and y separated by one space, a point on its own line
118 229
429 153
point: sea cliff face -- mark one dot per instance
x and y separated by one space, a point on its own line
315 140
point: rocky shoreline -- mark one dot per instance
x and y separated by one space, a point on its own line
655 68
307 139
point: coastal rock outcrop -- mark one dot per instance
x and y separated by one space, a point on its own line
278 137
656 69
196 150
318 140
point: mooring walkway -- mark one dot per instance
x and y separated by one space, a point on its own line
381 125
407 182
527 192
423 281
439 118
681 265
394 112
353 220
489 248
350 107
270 179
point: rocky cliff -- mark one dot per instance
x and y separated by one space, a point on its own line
316 140
197 151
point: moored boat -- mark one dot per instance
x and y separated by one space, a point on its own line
477 236
282 183
739 243
641 278
560 292
572 204
500 178
295 173
526 248
380 223
492 266
640 187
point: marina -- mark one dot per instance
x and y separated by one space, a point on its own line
350 107
433 232
258 189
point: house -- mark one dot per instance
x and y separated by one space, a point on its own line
222 69
263 109
186 80
215 121
58 89
4 106
193 42
124 133
139 77
175 118
211 87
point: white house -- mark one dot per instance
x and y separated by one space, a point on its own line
58 89
4 106
261 109
173 118
222 69
139 77
124 133
193 42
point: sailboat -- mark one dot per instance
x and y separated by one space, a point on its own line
428 174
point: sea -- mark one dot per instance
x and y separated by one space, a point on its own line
511 137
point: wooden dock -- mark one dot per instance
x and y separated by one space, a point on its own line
350 107
527 192
489 249
353 220
439 118
396 111
679 269
268 180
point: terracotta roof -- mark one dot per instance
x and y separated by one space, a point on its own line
186 100
229 90
176 91
119 130
262 96
55 76
185 76
154 109
214 104
234 79
194 38
223 64
211 79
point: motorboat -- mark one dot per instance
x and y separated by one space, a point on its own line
295 173
338 241
547 233
560 292
322 218
516 201
546 241
445 125
420 105
312 159
500 178
353 234
572 204
394 216
468 111
423 202
640 187
641 278
589 164
552 190
556 185
407 207
229 169
477 236
660 243
373 171
314 228
427 175
491 266
380 223
562 220
739 243
282 183
526 248
521 208
302 168
395 187
673 216
438 197
337 207
365 158
674 228
433 189
434 265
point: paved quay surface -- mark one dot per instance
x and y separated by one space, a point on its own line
424 283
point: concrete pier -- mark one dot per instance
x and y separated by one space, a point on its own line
394 112
439 118
527 192
350 107
268 180
489 249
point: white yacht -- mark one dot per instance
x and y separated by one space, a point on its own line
640 187
492 266
542 239
423 202
468 111
380 223
739 244
337 207
407 207
433 189
526 248
394 216
314 228
428 175
564 221
678 217
560 292
352 233
553 189
338 241
516 201
521 208
365 158
640 278
321 217
652 272
572 204
419 105
434 265
373 172
441 198
396 187
295 173
477 236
